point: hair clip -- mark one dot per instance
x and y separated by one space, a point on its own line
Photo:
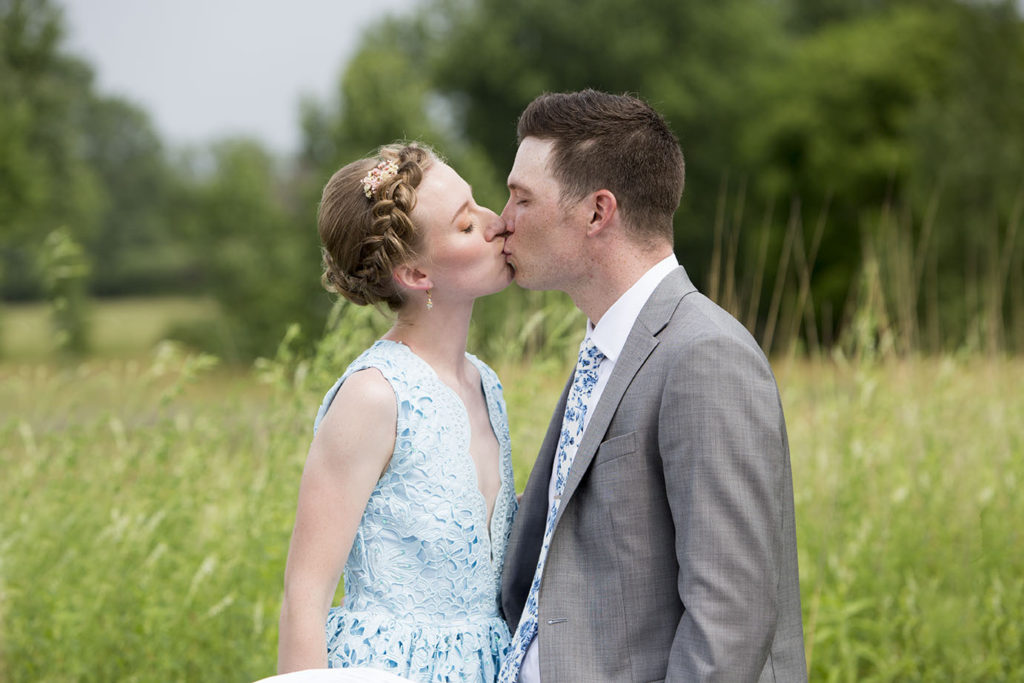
378 175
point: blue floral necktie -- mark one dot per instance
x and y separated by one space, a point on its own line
584 380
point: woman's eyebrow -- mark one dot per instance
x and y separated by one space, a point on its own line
459 210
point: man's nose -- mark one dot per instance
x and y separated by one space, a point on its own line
507 217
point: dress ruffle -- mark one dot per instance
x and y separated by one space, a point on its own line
469 651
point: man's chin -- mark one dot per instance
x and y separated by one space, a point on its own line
524 283
522 279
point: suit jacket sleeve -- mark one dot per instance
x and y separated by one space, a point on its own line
723 447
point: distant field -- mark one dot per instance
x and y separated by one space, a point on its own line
147 506
119 327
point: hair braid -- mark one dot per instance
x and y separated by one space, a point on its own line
364 240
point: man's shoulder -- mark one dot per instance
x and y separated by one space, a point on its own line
682 319
698 317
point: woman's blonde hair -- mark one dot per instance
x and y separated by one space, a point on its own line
363 239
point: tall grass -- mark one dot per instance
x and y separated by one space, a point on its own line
141 532
907 480
148 506
898 304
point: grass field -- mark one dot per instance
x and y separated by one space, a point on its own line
119 328
147 505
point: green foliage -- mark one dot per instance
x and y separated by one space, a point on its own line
259 261
903 497
384 95
518 325
45 183
837 127
135 246
967 158
65 268
515 326
143 483
809 129
123 328
380 99
70 156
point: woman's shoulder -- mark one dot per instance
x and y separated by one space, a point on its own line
366 396
378 371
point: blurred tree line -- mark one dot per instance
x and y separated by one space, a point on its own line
844 158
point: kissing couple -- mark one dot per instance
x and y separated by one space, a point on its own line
655 539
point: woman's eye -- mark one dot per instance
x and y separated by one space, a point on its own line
469 228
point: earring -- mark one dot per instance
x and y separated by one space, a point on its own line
430 302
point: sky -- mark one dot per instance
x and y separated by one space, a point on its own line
205 69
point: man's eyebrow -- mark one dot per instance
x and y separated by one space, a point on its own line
512 185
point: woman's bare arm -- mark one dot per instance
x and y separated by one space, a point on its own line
350 450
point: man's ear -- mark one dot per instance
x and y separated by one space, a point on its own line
604 207
409 276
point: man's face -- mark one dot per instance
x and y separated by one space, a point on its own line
539 242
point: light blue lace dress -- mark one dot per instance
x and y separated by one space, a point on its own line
423 576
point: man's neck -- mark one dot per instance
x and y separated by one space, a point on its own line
612 278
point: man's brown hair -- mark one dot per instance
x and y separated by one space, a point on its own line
613 142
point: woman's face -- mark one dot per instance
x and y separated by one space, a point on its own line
461 262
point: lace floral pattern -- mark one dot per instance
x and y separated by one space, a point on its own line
423 578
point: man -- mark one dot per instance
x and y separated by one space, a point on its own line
655 538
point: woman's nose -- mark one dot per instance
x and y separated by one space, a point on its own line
495 228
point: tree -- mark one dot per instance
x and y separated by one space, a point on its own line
258 258
46 183
136 246
837 125
70 156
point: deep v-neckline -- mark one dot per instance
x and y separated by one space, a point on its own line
469 462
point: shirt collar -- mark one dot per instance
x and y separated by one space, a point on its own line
609 335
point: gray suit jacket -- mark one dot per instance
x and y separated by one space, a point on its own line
674 553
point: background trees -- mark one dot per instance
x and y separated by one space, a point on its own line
833 149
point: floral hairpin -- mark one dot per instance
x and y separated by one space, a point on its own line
378 175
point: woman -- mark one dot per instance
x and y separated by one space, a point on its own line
408 482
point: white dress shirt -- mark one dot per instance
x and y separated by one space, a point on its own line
609 336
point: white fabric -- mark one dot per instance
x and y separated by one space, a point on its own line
609 336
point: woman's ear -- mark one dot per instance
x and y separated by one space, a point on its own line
409 276
603 208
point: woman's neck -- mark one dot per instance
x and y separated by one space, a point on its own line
438 336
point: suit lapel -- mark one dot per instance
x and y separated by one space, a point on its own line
641 341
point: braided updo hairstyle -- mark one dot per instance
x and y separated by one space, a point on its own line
364 239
